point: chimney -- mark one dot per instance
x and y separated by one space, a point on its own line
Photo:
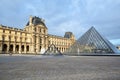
43 20
30 21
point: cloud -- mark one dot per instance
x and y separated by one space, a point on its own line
87 13
115 42
65 15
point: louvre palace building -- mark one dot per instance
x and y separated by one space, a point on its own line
33 39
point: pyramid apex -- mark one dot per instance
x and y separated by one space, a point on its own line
92 27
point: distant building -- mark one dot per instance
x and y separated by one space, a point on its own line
118 47
34 38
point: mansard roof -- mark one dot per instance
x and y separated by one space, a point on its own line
55 36
68 35
37 21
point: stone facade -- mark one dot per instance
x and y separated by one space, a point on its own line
33 39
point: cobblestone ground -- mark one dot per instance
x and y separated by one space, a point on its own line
59 68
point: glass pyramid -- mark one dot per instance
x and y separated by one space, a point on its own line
92 42
52 50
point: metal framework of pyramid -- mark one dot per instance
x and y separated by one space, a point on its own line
52 50
92 42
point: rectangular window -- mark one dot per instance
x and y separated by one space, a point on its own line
44 31
10 38
15 32
3 31
40 41
10 32
40 30
3 37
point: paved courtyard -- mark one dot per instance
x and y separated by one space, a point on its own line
59 67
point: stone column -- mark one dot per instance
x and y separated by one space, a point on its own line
0 48
33 44
37 44
20 48
8 47
46 43
38 30
25 48
14 48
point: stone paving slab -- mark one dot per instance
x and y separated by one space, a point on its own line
59 68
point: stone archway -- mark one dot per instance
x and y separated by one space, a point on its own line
11 48
4 48
22 48
27 48
17 48
40 48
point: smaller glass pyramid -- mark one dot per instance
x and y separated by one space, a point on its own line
52 50
92 42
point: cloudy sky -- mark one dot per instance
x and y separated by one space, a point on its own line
60 16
